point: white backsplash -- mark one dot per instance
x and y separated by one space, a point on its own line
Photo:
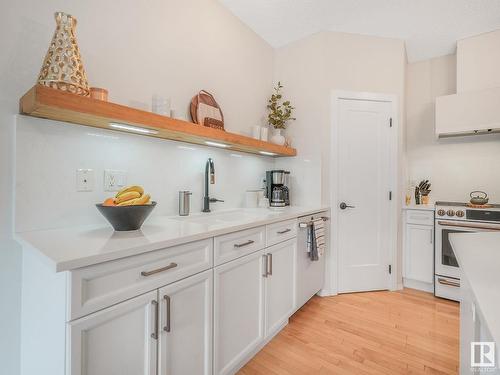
48 154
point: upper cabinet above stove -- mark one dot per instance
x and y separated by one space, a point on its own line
475 108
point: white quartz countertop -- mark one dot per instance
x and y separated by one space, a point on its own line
479 259
75 247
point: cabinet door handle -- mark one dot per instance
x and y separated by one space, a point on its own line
265 261
284 231
155 309
432 236
158 270
270 263
167 313
249 242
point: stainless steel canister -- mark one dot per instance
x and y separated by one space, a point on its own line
184 202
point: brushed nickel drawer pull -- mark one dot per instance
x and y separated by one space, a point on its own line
249 242
266 261
167 323
166 268
155 333
448 283
270 272
284 231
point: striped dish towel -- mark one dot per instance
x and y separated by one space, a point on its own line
319 234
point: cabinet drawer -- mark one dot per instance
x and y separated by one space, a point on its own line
420 217
234 245
96 287
282 231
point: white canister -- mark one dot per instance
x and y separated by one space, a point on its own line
251 198
256 132
264 133
160 105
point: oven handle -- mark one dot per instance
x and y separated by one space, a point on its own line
467 225
448 283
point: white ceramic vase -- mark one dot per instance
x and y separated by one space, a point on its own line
277 138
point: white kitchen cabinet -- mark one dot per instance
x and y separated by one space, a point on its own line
418 255
118 340
238 311
280 284
185 334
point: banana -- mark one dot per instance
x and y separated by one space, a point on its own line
128 189
127 196
136 201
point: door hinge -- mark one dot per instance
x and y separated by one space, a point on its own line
390 269
390 195
390 122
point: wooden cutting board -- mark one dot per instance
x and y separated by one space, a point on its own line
205 103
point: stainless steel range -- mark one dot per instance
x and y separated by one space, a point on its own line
453 217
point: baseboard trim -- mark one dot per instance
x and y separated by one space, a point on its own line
420 285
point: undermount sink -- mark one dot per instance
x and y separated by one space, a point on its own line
220 217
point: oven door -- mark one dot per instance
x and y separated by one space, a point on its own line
445 260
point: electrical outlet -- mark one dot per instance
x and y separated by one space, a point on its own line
114 180
84 179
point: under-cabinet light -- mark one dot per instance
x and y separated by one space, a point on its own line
132 128
267 153
210 143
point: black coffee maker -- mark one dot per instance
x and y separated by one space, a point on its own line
277 188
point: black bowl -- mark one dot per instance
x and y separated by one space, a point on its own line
124 218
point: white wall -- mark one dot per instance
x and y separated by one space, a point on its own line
455 166
314 66
135 49
478 59
48 153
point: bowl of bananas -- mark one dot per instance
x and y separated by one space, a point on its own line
128 209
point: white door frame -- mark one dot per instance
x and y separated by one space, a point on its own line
334 188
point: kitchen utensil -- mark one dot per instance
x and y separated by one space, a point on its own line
478 197
184 202
126 218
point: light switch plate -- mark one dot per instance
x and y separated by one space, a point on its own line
84 179
114 180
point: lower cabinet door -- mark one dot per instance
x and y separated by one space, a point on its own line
238 311
280 284
419 253
185 342
119 340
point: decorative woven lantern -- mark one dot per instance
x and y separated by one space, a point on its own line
62 67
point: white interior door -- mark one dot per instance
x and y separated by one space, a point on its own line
363 183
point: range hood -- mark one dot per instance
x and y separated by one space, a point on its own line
468 113
475 108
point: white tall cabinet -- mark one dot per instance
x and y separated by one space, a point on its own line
418 254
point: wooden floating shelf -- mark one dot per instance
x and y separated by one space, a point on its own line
58 105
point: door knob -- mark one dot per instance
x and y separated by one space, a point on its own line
343 206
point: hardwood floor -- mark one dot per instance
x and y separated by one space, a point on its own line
404 332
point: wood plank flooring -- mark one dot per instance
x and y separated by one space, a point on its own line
403 332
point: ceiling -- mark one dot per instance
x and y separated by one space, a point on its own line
430 28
